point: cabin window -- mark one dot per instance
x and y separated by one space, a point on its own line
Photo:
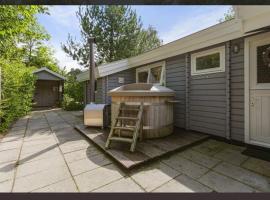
143 77
209 61
263 64
154 73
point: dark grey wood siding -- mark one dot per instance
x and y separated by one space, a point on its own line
237 91
207 103
99 97
112 80
176 80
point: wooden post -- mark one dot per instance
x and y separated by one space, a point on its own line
91 41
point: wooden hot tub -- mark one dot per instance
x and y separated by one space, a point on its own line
158 106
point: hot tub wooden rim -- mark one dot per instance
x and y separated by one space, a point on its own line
141 93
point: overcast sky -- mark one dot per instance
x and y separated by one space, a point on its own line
171 22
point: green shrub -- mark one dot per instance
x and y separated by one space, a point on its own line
18 84
73 92
70 103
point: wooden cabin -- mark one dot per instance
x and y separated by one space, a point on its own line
221 76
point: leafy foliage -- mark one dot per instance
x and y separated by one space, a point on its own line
17 24
118 31
17 91
73 93
21 51
42 56
229 15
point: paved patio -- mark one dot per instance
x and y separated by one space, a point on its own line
44 153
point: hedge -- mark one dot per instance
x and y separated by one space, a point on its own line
18 84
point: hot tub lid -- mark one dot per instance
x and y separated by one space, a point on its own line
141 89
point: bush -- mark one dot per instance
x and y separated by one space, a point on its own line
70 104
18 84
73 92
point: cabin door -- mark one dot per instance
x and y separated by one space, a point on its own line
259 91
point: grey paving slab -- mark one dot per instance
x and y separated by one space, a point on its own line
97 178
34 156
42 179
88 164
60 126
10 145
67 185
6 186
81 154
202 159
20 132
38 148
153 176
245 176
232 156
7 171
186 166
257 165
11 138
21 122
122 185
183 183
9 155
71 146
210 147
39 166
222 183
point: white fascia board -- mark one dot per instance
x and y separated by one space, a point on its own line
257 21
84 76
213 35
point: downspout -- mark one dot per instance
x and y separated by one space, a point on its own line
91 42
228 89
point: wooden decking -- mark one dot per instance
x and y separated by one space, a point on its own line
145 150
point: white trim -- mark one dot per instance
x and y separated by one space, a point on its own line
49 71
221 68
246 90
257 40
248 18
148 68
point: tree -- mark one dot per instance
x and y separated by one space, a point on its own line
42 56
118 31
16 23
229 15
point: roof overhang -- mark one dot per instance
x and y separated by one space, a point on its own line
253 17
245 21
49 71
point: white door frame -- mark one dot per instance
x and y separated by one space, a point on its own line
247 87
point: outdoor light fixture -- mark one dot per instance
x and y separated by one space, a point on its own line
236 48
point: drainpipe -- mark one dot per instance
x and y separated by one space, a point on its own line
91 42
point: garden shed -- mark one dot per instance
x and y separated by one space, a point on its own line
49 88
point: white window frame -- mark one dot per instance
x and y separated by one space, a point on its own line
148 68
221 68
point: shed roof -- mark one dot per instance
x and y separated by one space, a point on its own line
53 74
247 18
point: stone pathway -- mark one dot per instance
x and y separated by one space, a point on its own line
44 153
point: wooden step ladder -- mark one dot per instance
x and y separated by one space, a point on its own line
122 123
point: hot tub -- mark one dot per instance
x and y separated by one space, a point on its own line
158 106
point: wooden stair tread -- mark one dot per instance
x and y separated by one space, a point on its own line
135 129
130 109
124 128
122 139
127 118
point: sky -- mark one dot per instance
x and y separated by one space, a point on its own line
171 22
